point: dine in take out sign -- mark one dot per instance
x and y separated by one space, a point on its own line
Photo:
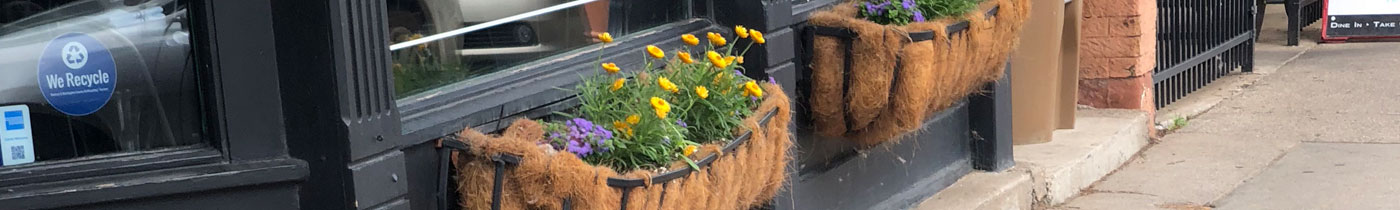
1344 19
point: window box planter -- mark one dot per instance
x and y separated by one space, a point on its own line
873 83
510 171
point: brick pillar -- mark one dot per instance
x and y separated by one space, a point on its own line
1117 54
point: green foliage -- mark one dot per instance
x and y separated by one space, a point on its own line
417 69
637 136
655 141
412 78
1179 122
894 12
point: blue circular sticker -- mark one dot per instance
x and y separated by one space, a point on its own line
76 74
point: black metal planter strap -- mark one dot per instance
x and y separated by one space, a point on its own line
448 144
847 37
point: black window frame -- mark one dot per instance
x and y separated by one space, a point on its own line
234 51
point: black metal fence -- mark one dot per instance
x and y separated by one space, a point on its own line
1199 41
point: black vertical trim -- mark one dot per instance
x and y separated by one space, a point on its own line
244 61
991 139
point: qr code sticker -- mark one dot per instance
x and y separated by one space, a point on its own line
17 152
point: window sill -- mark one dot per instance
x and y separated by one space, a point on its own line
152 183
100 165
801 11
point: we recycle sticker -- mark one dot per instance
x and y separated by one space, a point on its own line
77 74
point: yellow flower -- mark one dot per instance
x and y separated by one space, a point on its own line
418 36
690 39
757 36
716 59
685 57
702 92
730 59
689 149
741 31
617 84
634 119
716 39
751 88
740 60
661 107
655 52
611 68
605 37
717 77
667 85
622 127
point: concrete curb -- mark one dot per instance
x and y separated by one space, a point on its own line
1102 141
1050 173
1010 190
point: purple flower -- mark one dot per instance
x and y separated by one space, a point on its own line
603 134
580 149
580 123
681 123
580 137
737 72
908 4
753 98
772 81
877 9
918 16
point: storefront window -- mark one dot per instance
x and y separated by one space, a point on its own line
470 55
89 77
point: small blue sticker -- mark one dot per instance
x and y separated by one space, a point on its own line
77 74
17 137
14 120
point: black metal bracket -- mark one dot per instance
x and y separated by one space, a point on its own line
445 147
448 144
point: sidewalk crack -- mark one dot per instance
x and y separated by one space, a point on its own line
1120 192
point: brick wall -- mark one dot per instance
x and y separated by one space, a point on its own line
1117 54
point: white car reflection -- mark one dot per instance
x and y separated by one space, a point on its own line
528 37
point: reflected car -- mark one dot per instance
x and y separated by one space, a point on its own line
530 36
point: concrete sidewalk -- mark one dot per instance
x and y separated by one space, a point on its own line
1318 133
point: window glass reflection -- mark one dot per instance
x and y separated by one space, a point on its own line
460 58
89 77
